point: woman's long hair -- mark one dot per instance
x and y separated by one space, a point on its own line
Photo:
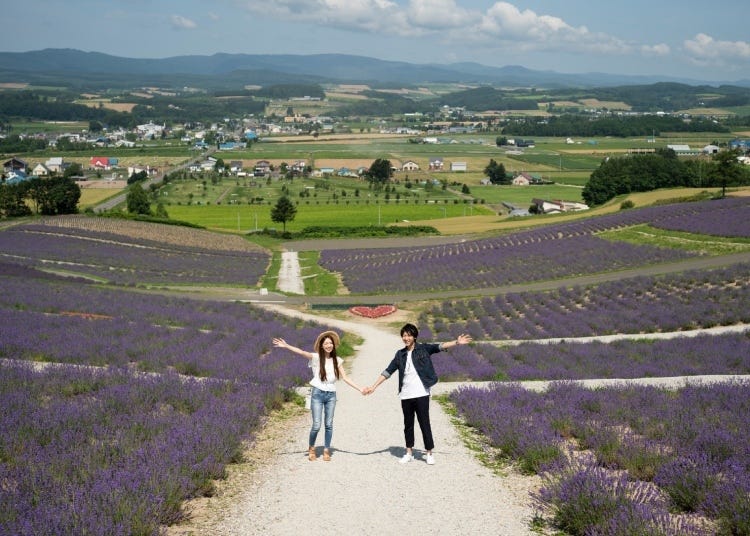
322 358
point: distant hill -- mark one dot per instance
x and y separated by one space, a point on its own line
79 68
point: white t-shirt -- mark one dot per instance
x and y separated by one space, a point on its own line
330 383
412 386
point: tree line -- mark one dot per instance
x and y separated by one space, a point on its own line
47 196
662 169
619 126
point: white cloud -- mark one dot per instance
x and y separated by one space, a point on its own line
661 49
530 31
704 49
498 27
182 23
439 14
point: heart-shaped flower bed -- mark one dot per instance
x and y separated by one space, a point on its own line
372 312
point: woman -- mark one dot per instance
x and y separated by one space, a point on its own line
416 375
327 368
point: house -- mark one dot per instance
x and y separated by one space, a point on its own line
436 163
547 207
235 166
681 149
103 162
55 164
525 179
458 166
710 149
15 164
16 176
555 207
262 168
40 170
743 145
134 170
298 167
410 165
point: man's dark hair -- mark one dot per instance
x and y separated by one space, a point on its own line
411 329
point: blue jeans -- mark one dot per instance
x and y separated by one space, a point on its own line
322 400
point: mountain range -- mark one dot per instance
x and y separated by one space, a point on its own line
80 69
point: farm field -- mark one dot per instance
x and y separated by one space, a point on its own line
203 340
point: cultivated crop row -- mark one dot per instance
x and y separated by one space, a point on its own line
128 260
552 252
679 356
627 460
647 304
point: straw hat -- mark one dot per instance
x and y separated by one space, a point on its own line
332 334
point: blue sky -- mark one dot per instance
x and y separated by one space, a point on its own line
697 40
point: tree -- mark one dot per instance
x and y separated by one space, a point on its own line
726 171
54 195
283 211
137 200
380 172
73 170
496 172
12 201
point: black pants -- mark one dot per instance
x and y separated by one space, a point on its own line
421 407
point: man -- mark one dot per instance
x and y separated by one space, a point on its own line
416 375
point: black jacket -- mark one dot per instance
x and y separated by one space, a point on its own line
421 357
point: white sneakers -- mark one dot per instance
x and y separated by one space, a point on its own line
406 458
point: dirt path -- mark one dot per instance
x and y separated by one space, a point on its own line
364 489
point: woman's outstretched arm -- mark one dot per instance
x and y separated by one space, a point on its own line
281 343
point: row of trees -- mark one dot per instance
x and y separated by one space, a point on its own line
578 125
663 169
47 196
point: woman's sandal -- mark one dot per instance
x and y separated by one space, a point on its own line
311 454
326 455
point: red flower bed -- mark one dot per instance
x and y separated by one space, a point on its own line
372 312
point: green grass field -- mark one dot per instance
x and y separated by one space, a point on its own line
249 218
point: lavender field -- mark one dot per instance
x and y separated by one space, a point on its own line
629 460
690 300
160 254
551 252
142 403
118 404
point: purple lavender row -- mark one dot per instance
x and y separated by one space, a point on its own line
129 261
704 354
466 266
88 325
732 220
629 460
691 300
103 452
58 295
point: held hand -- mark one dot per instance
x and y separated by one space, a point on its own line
364 391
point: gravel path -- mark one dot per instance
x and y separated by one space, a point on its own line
364 489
